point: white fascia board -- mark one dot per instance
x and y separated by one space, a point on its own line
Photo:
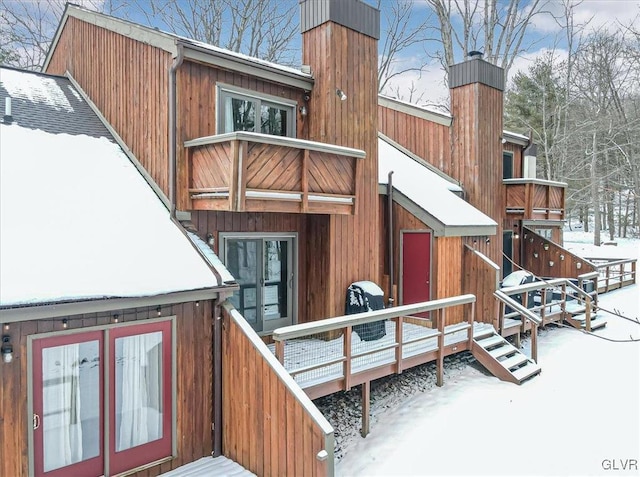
232 62
515 138
414 110
544 182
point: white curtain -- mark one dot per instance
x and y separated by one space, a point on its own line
138 390
61 421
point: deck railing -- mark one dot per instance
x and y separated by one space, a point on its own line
272 427
530 199
251 172
614 273
553 296
322 366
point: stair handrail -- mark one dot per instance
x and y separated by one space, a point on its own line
525 312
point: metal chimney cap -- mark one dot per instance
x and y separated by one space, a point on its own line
475 54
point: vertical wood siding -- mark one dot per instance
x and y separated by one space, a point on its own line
518 157
481 280
194 383
344 59
428 140
446 257
312 251
128 82
266 429
197 108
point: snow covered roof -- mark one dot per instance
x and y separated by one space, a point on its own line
77 220
429 196
194 50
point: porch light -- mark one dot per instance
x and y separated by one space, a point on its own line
303 111
341 94
7 349
551 262
65 323
546 246
535 254
561 257
116 318
210 239
159 310
579 265
6 327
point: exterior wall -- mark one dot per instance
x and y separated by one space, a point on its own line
481 279
426 139
193 388
197 108
267 429
309 245
128 82
446 257
518 157
345 59
477 153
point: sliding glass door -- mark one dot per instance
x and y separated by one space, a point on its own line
264 269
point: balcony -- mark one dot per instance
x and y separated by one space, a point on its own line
534 199
251 172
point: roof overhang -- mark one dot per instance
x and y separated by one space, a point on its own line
195 52
440 229
54 310
532 224
414 110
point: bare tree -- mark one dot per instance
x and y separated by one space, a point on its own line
400 34
260 28
27 27
496 28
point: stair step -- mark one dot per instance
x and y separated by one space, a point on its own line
574 307
503 351
488 331
493 340
525 372
514 361
583 317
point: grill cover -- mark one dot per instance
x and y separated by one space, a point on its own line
366 296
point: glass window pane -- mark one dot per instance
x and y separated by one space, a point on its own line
273 120
240 115
276 277
71 404
138 389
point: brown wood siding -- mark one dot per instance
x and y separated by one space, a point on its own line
197 108
481 280
518 158
446 257
345 59
477 153
194 382
428 140
266 429
312 252
128 82
565 263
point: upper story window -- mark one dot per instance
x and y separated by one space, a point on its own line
239 110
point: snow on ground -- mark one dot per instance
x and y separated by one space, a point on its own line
581 416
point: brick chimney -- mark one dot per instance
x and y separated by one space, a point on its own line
476 140
340 44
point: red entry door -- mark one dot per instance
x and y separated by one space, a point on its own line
416 267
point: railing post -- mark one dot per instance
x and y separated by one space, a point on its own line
608 276
280 351
304 180
502 311
347 361
633 271
534 341
399 330
587 312
471 322
440 314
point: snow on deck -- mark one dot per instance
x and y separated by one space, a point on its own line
417 339
210 466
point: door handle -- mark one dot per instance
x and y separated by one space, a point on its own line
36 422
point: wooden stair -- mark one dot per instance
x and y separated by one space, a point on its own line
576 316
502 359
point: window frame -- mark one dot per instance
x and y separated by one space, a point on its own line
224 91
107 336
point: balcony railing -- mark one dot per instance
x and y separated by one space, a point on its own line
245 171
534 199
